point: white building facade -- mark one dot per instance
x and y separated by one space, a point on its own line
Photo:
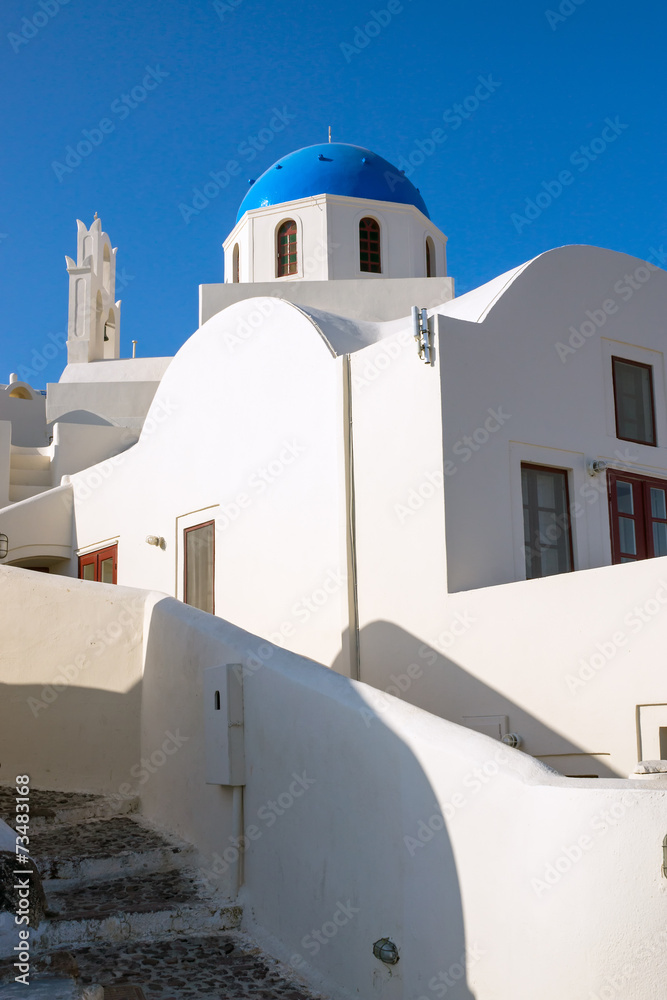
301 471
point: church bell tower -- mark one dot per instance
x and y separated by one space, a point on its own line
93 326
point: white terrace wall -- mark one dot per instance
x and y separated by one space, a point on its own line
490 874
359 824
70 676
567 660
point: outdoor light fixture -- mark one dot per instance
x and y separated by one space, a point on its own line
155 540
4 546
595 466
386 951
511 740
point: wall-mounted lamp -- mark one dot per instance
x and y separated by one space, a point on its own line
4 546
512 740
386 951
155 540
595 466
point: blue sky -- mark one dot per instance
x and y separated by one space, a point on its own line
569 87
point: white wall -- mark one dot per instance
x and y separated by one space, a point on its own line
559 401
353 838
363 818
379 300
515 650
70 676
27 416
246 429
328 240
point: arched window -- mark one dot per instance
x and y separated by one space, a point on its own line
430 258
287 253
235 263
369 246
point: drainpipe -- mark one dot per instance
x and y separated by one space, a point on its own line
351 523
237 826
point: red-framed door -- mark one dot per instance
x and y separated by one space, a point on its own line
638 515
101 566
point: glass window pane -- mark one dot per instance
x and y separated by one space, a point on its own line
626 528
545 490
199 568
659 539
658 508
546 522
106 570
88 571
634 401
624 498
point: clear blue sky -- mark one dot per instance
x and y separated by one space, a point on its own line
555 81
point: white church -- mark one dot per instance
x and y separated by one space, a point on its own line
422 533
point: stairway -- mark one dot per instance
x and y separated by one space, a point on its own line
128 907
29 472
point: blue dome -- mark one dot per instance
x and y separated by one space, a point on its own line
331 168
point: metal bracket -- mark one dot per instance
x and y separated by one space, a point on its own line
422 334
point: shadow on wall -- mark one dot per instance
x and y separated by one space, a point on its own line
345 827
334 803
431 680
68 737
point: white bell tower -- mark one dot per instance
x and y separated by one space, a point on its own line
93 326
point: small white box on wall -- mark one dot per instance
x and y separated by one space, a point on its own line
223 725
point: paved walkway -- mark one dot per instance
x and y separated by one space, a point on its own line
127 907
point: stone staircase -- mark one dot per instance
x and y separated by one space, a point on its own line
127 907
29 472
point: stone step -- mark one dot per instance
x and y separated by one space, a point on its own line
188 967
48 808
134 894
104 849
42 987
138 925
159 904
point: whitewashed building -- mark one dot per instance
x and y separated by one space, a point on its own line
467 511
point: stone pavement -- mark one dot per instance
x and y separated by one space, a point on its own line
127 907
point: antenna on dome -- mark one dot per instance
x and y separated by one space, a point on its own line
330 133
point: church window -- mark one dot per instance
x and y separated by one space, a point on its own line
287 251
369 246
235 263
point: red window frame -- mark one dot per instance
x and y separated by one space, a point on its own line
288 254
370 259
186 532
96 559
649 368
642 515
